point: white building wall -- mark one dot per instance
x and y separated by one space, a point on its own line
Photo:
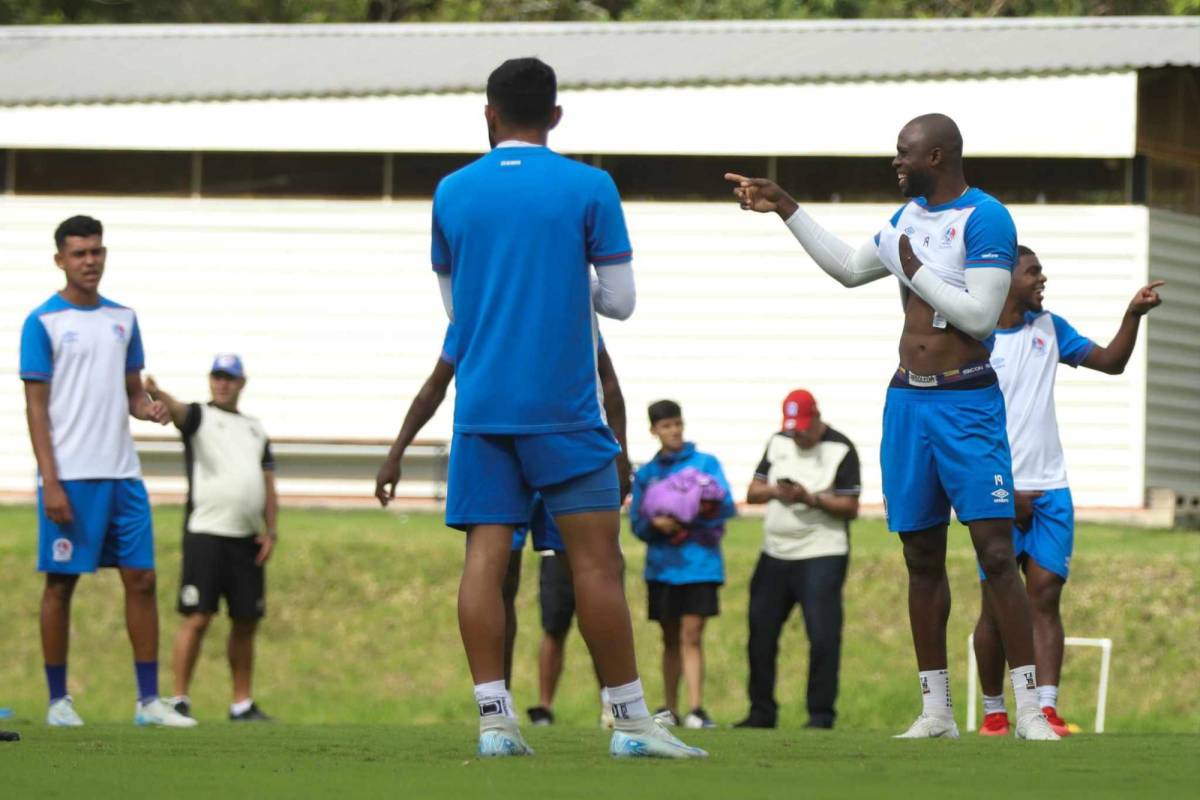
1173 406
334 308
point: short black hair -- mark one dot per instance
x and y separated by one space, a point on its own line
664 409
1022 250
524 91
78 225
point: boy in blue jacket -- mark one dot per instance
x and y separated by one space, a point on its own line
683 571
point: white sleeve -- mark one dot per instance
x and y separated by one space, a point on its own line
975 311
447 289
844 264
613 292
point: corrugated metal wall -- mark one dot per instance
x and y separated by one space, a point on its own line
333 306
1173 379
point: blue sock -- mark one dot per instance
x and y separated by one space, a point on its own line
147 680
56 679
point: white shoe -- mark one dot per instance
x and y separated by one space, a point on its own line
665 717
503 738
1034 726
61 714
651 740
159 714
929 726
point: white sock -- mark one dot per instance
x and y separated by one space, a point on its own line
494 702
628 703
1048 696
993 705
241 706
604 701
935 693
1024 683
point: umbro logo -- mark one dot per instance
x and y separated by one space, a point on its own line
1001 496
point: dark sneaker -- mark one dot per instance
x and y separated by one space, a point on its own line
819 724
9 736
251 714
181 704
754 722
540 715
666 717
698 718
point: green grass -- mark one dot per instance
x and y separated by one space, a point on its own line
361 629
369 761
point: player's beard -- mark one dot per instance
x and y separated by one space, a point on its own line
917 185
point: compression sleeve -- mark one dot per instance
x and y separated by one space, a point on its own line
974 311
840 261
447 287
613 292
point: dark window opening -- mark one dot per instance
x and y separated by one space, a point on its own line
292 175
95 172
678 177
416 175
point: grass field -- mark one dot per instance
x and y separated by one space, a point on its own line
360 656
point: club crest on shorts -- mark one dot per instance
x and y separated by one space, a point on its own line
62 550
189 595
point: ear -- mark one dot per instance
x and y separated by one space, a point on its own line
555 118
58 259
490 115
935 157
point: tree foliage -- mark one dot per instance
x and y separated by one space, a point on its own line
32 12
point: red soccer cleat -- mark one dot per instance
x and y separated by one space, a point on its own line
995 725
1056 722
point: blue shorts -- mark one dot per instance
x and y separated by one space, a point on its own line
945 448
545 532
493 477
1050 539
111 527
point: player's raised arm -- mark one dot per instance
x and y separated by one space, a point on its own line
1113 358
177 409
845 264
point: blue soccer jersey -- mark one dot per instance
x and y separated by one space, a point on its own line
450 344
516 231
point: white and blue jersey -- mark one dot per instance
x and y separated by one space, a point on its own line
85 353
974 230
516 230
1026 359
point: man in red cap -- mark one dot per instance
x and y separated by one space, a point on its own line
809 479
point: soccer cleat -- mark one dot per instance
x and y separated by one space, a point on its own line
651 740
540 715
665 716
1033 725
251 714
157 713
698 718
928 726
1057 723
182 704
61 714
502 738
996 724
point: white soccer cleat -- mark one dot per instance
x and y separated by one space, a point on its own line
503 738
61 714
929 726
652 740
1034 726
158 714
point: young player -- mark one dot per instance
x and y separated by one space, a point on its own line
684 565
513 235
229 530
952 247
1030 344
81 361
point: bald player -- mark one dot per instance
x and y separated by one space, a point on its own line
952 248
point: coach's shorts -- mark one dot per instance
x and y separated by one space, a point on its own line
111 527
493 477
222 566
945 448
670 601
1050 539
556 595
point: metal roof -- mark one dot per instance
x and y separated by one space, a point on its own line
150 63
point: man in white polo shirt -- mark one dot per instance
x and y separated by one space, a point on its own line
809 479
228 532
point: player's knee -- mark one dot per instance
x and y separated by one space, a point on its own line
924 563
139 581
1044 601
691 635
197 623
59 588
997 562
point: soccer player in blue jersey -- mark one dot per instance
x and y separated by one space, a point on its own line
515 234
81 362
952 247
1030 344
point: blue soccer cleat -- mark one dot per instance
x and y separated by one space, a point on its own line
651 740
502 738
